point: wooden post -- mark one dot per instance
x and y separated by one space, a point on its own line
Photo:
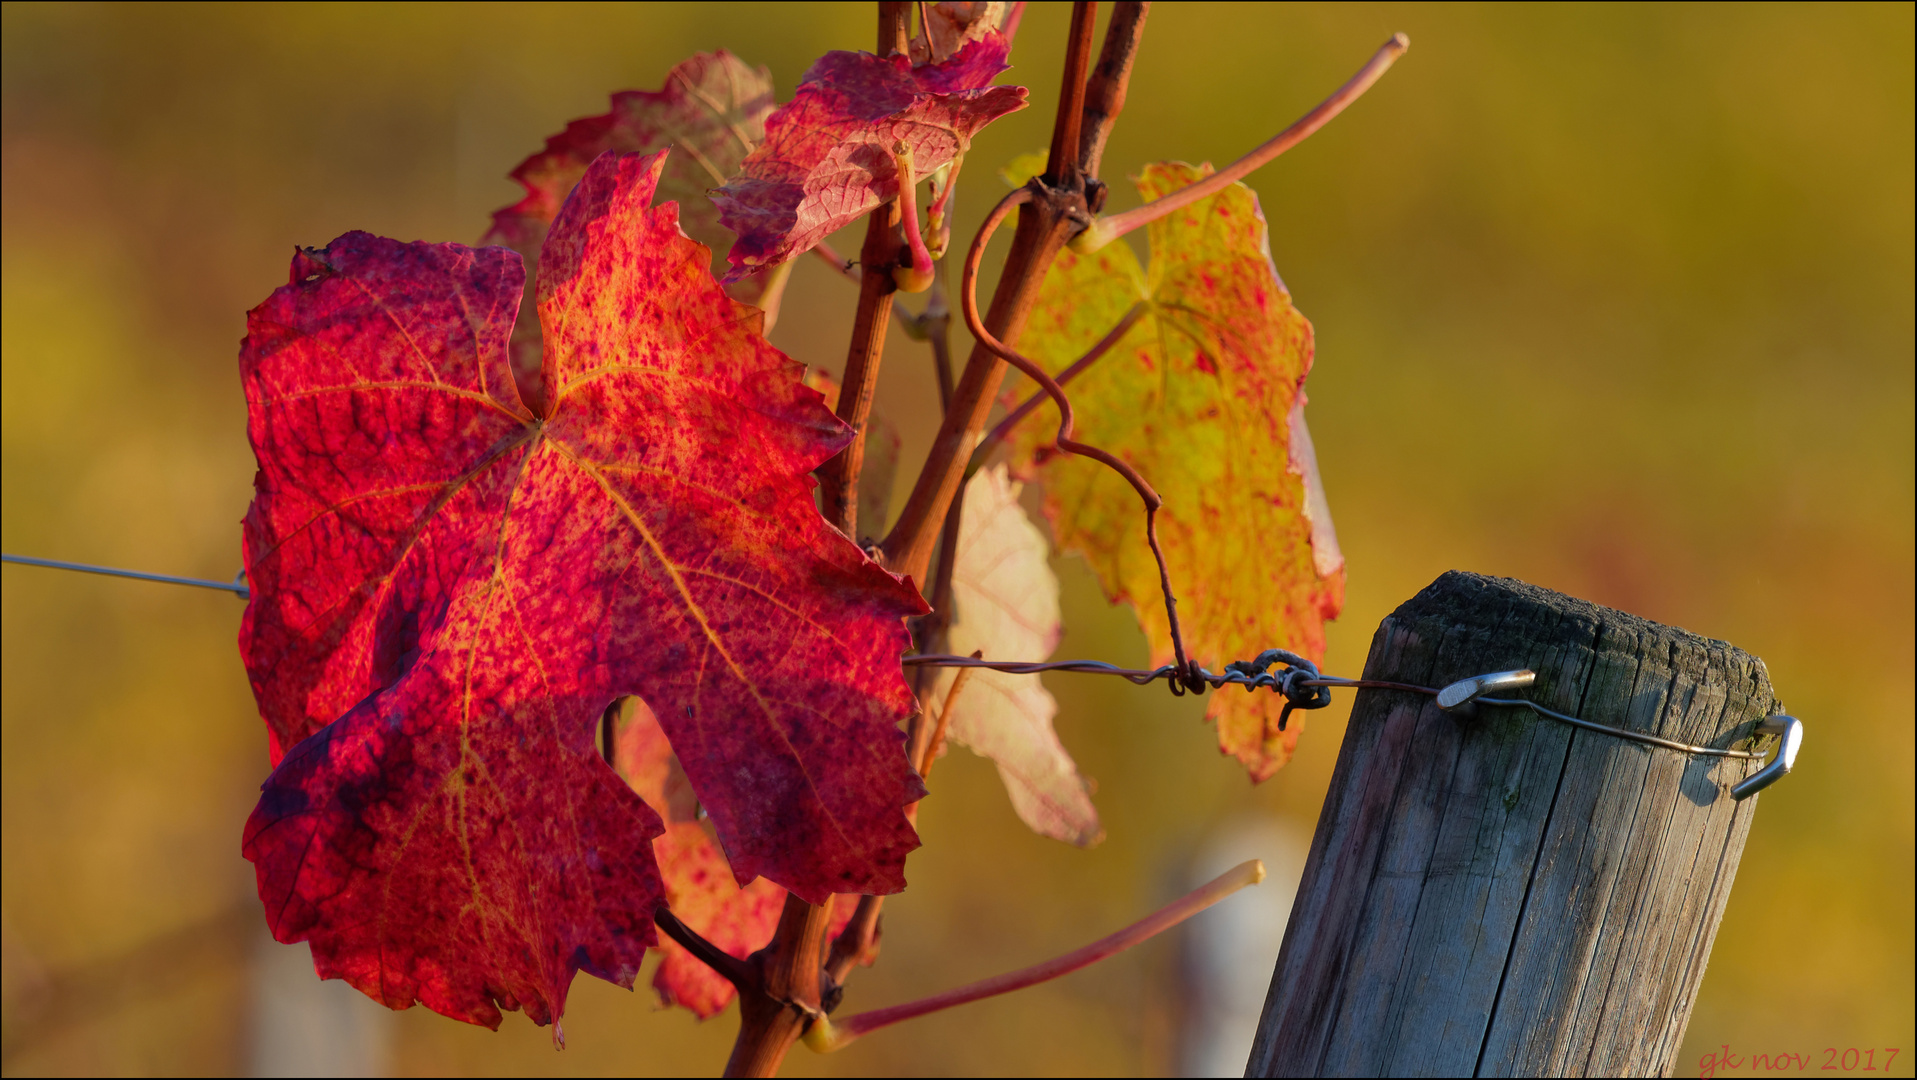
1502 894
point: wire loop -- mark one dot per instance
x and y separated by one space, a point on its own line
1293 681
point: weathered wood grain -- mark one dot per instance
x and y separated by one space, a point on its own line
1505 895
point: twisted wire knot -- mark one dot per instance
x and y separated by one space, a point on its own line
1297 681
1187 678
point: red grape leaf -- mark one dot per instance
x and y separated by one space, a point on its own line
827 155
712 110
698 880
467 582
1205 397
1006 602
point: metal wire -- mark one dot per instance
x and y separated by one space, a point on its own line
1299 681
1634 736
1142 676
237 585
1290 684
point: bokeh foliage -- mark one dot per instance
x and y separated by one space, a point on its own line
1617 300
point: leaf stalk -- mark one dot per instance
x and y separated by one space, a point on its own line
937 743
825 1036
839 477
917 277
734 970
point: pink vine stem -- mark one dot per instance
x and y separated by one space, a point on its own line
1105 230
918 276
826 1036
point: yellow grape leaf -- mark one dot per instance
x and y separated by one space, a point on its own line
1006 604
1205 397
1022 168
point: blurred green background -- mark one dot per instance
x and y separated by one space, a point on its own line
1617 300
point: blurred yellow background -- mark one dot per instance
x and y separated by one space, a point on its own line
1617 300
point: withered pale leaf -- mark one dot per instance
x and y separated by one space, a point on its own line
1006 600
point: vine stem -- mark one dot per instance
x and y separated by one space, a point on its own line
1105 230
908 547
937 744
936 323
825 1036
895 28
1043 227
784 987
785 990
1105 91
968 303
839 477
931 630
933 510
795 979
1061 163
858 942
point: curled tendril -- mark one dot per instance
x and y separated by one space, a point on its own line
1188 677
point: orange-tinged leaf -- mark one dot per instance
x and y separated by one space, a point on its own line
1204 396
1006 601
